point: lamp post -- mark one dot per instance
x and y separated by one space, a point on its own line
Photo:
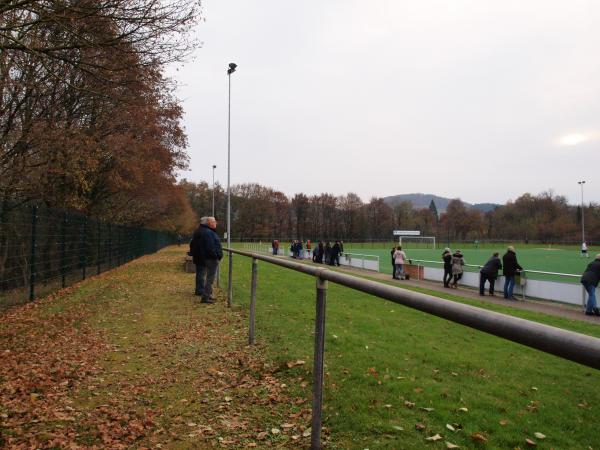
213 191
581 183
231 69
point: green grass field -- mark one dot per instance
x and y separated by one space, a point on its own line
532 257
395 376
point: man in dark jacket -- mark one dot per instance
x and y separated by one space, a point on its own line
335 254
511 267
205 248
489 272
590 279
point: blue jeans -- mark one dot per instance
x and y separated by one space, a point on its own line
509 285
591 290
399 270
205 276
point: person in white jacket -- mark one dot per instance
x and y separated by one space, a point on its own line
399 258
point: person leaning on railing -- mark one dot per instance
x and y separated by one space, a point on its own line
511 267
590 279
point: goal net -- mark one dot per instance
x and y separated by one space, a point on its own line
417 242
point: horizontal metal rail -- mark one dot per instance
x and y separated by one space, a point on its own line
375 257
572 275
555 341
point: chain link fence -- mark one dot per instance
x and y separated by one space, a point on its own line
44 249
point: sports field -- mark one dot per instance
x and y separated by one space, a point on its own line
562 259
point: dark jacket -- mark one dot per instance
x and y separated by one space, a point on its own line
447 257
205 244
592 273
509 261
492 266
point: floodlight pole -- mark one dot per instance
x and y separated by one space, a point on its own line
213 191
231 69
581 183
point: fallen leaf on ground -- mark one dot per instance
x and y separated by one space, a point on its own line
478 437
435 437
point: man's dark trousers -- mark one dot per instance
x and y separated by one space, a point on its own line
483 277
205 276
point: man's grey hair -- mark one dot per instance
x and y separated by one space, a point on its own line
204 220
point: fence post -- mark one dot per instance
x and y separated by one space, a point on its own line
230 281
109 246
318 366
82 253
63 248
251 340
219 274
98 247
32 267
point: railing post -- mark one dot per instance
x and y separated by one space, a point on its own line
63 248
318 366
32 267
251 340
230 281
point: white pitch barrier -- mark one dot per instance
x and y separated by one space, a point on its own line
562 292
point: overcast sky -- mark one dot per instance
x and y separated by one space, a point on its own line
482 100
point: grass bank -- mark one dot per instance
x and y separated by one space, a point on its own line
129 359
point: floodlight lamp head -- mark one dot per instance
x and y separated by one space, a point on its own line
214 166
231 69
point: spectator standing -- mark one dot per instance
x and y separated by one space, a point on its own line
590 279
335 254
205 249
320 252
399 258
327 252
275 245
392 251
489 272
457 267
447 258
511 267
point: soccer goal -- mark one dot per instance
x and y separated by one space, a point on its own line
417 242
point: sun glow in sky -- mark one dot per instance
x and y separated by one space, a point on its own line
573 139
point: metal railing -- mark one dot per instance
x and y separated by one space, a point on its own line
555 341
479 266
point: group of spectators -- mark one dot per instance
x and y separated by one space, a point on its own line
325 253
453 270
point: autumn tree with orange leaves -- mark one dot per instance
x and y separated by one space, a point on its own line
87 121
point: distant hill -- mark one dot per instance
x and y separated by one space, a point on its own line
419 201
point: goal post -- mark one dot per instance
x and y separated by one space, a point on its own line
408 237
417 241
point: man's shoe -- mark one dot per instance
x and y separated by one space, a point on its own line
589 313
596 311
207 300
